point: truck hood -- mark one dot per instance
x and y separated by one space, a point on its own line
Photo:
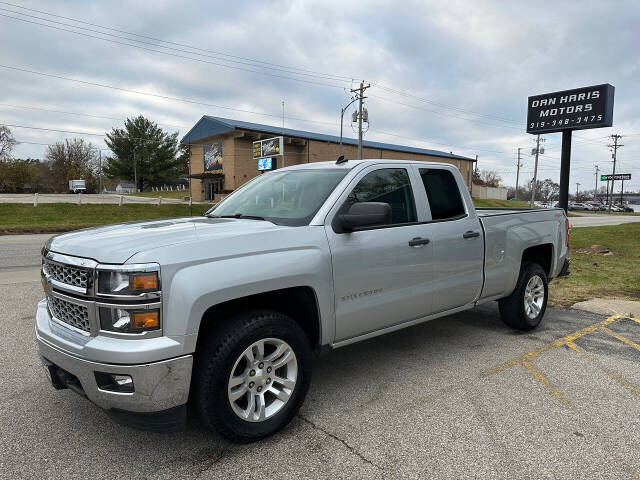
118 243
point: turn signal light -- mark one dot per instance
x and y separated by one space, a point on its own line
145 320
144 282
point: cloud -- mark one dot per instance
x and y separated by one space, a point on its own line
468 68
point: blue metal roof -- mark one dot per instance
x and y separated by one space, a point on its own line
209 126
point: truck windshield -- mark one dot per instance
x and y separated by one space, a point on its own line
290 197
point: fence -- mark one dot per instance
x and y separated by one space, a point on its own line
495 193
80 199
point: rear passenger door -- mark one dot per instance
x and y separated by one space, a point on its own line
458 243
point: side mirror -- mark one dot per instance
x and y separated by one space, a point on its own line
365 214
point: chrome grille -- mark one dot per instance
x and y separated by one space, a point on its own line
75 276
70 313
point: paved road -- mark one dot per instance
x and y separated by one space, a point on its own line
459 397
602 219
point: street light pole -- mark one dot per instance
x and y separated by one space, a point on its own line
342 110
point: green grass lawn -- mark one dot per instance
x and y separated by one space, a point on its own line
177 194
60 217
596 275
490 203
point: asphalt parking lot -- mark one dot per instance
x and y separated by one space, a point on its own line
459 397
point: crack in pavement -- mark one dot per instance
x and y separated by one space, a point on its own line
343 442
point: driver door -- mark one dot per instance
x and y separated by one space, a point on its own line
381 274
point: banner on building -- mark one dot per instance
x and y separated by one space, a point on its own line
213 157
270 147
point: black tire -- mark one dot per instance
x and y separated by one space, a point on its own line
512 308
216 358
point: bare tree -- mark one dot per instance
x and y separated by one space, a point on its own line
491 178
7 142
72 159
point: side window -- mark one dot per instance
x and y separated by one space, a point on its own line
443 193
388 185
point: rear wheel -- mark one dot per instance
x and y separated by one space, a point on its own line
524 308
252 375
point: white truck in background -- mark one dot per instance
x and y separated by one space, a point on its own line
77 186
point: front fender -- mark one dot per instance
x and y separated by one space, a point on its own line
196 288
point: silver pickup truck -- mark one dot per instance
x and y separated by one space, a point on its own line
222 313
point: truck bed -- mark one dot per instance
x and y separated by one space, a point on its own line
490 212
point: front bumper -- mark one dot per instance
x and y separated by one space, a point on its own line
158 386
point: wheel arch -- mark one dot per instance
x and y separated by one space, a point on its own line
542 255
299 303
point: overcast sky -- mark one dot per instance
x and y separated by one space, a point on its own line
467 68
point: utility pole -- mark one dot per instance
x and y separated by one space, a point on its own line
361 97
577 189
595 192
535 171
283 116
100 168
135 171
615 148
518 173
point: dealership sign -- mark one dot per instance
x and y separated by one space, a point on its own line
269 147
617 176
588 107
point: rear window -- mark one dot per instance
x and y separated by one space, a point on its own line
443 194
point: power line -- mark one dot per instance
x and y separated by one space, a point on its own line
156 95
175 54
64 112
286 67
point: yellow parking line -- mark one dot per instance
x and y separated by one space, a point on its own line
558 343
569 341
620 337
545 381
625 383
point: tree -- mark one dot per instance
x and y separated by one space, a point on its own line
71 160
16 175
547 190
145 146
490 178
7 142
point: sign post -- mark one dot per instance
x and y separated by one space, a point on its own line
568 110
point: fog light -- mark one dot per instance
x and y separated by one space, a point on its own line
114 382
122 380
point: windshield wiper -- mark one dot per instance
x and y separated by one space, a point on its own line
238 215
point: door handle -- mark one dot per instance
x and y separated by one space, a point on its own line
470 234
418 242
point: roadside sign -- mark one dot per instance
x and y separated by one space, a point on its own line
577 109
566 111
270 147
617 176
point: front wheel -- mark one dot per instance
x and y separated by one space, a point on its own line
252 375
525 307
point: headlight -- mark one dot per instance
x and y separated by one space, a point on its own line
128 280
129 319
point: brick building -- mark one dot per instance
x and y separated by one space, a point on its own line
222 153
